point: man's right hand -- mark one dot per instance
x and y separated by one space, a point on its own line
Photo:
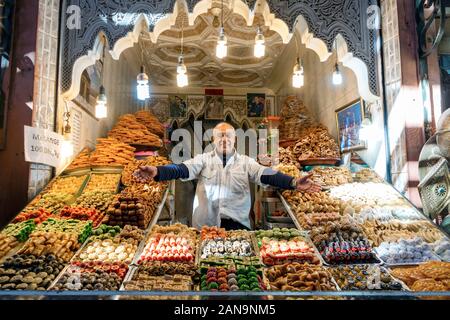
145 173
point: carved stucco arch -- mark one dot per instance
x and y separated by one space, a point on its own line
124 38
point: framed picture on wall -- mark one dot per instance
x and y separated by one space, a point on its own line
256 105
348 122
214 107
178 105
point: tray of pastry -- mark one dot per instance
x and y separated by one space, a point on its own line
363 277
406 252
300 277
343 242
103 181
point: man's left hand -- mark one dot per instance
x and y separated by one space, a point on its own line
305 184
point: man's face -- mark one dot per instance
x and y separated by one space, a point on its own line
224 138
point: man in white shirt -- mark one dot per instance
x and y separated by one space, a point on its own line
223 194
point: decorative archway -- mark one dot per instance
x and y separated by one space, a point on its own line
318 23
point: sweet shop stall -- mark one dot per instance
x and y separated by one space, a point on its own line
145 79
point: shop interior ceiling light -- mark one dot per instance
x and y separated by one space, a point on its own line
298 77
101 110
260 47
182 78
221 48
143 89
337 76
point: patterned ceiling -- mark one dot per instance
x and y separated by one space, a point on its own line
239 68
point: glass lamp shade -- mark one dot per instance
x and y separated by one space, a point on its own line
260 47
221 48
101 111
182 80
337 76
100 108
298 77
143 89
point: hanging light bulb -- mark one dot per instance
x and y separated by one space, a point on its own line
260 47
143 89
182 79
298 77
337 76
66 147
221 48
101 111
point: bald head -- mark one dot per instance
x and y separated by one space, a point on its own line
224 138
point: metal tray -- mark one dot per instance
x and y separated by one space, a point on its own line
404 286
149 228
76 171
253 242
102 173
407 264
307 239
104 169
12 252
289 211
128 277
287 292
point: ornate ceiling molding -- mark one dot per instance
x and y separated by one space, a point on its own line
319 22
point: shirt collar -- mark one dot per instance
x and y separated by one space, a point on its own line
217 158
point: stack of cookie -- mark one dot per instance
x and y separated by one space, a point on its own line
150 122
111 152
129 130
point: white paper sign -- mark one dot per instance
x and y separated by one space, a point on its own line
42 146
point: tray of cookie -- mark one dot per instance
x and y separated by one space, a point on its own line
428 276
311 210
406 252
233 244
343 242
363 277
300 277
280 246
169 248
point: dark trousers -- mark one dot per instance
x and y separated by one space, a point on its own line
229 224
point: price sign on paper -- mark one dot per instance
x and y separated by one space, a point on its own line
42 146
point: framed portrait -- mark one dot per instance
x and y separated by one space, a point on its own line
178 105
348 121
214 107
256 105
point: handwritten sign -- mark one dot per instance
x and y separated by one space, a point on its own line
42 146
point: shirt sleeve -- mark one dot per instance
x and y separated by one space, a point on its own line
277 179
194 166
255 170
265 176
172 172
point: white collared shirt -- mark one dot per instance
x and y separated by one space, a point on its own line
222 192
